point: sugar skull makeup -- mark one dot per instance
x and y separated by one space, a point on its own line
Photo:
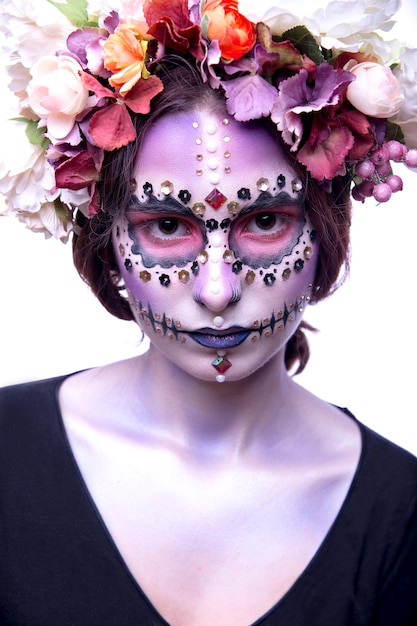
215 249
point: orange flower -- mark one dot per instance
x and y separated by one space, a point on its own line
222 21
124 54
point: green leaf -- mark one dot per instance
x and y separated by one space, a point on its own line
75 11
35 134
305 43
394 132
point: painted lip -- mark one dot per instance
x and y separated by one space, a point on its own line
220 339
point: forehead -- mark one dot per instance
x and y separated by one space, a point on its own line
202 150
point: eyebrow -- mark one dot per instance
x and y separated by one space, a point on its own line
168 206
265 200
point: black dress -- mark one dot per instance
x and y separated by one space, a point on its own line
60 567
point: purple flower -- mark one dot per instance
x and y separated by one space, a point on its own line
249 97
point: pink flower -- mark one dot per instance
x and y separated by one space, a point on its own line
376 91
249 97
57 93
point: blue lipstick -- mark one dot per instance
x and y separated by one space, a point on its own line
220 340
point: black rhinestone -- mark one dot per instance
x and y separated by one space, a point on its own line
128 265
184 195
225 223
212 224
269 279
237 267
298 265
147 189
281 181
195 268
244 194
164 279
313 235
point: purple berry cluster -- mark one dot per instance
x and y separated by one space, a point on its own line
375 173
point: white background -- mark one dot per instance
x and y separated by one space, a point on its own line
363 357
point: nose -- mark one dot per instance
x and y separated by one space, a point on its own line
216 285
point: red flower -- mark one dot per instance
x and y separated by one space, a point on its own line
169 23
221 21
111 126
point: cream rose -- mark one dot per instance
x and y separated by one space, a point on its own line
376 91
57 94
406 117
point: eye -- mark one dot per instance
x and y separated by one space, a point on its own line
168 228
168 225
265 221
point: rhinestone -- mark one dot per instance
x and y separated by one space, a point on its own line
269 279
184 195
133 185
198 208
313 235
225 223
215 199
199 141
296 184
250 277
167 187
128 265
147 189
244 194
212 224
233 207
286 274
194 268
227 154
122 249
308 252
262 184
164 279
298 265
228 256
237 267
195 124
225 121
221 364
184 276
281 181
199 157
145 276
227 170
202 257
226 138
199 172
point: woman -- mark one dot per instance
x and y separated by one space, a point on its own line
198 483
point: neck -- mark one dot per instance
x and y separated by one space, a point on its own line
213 418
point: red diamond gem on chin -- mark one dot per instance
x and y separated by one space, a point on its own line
215 199
221 364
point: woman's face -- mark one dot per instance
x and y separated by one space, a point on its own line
215 249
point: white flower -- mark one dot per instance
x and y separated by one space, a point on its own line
376 91
26 177
46 221
56 93
406 117
341 23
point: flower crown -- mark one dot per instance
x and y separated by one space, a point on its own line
335 91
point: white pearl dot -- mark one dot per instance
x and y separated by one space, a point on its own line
211 128
220 378
213 163
212 146
218 321
214 178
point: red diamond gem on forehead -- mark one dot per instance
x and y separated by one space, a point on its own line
215 199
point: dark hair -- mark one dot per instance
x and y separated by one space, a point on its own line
329 209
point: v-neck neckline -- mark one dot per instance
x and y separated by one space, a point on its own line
91 510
